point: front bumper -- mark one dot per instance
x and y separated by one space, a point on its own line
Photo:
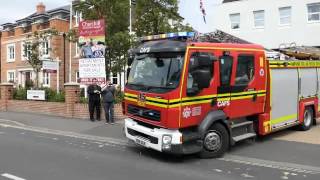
153 138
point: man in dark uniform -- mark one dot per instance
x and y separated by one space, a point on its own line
94 92
108 93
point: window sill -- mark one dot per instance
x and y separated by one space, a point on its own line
11 61
236 30
284 26
313 22
258 28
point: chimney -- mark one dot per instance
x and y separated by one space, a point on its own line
41 8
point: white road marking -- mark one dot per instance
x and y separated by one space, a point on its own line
10 176
10 121
292 167
112 141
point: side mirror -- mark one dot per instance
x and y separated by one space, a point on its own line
130 60
202 77
128 72
130 57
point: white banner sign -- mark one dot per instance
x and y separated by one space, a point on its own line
92 68
36 95
50 65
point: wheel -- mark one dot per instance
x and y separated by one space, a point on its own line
215 142
307 119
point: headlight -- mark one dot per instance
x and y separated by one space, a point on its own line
166 139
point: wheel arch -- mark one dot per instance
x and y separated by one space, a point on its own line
304 104
212 117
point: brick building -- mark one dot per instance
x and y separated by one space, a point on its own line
14 65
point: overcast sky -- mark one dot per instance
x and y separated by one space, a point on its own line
189 9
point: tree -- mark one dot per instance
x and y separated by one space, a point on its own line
116 16
114 12
153 17
158 16
120 43
34 50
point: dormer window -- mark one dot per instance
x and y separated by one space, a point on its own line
39 21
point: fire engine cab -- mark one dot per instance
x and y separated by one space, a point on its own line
185 96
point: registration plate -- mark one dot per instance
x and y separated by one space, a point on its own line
140 142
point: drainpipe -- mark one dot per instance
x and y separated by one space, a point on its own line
64 57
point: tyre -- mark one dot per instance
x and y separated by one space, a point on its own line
215 142
307 119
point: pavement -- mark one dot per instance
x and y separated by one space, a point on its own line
81 126
38 147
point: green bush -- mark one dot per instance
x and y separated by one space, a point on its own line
53 96
119 96
83 100
20 94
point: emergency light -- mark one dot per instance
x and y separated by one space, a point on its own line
174 35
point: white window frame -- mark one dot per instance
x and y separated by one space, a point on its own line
77 76
9 57
46 79
77 49
285 16
78 18
113 77
258 19
312 13
9 77
43 48
233 22
24 57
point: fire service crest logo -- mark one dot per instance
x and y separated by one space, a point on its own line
141 99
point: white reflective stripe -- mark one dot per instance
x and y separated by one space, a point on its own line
10 176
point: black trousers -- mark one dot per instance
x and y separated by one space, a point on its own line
94 105
109 111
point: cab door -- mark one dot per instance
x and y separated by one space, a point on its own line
247 91
195 101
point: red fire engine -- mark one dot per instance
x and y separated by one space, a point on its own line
186 97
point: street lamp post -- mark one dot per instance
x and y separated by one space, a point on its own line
130 17
70 44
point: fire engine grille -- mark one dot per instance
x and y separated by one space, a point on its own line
149 114
152 140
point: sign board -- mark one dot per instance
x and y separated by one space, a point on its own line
92 52
36 95
50 66
88 81
92 38
92 68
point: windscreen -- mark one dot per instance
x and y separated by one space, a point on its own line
156 72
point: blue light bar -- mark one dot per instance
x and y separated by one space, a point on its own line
168 36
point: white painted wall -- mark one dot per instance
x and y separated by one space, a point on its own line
272 35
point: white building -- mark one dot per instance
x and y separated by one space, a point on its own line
270 22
